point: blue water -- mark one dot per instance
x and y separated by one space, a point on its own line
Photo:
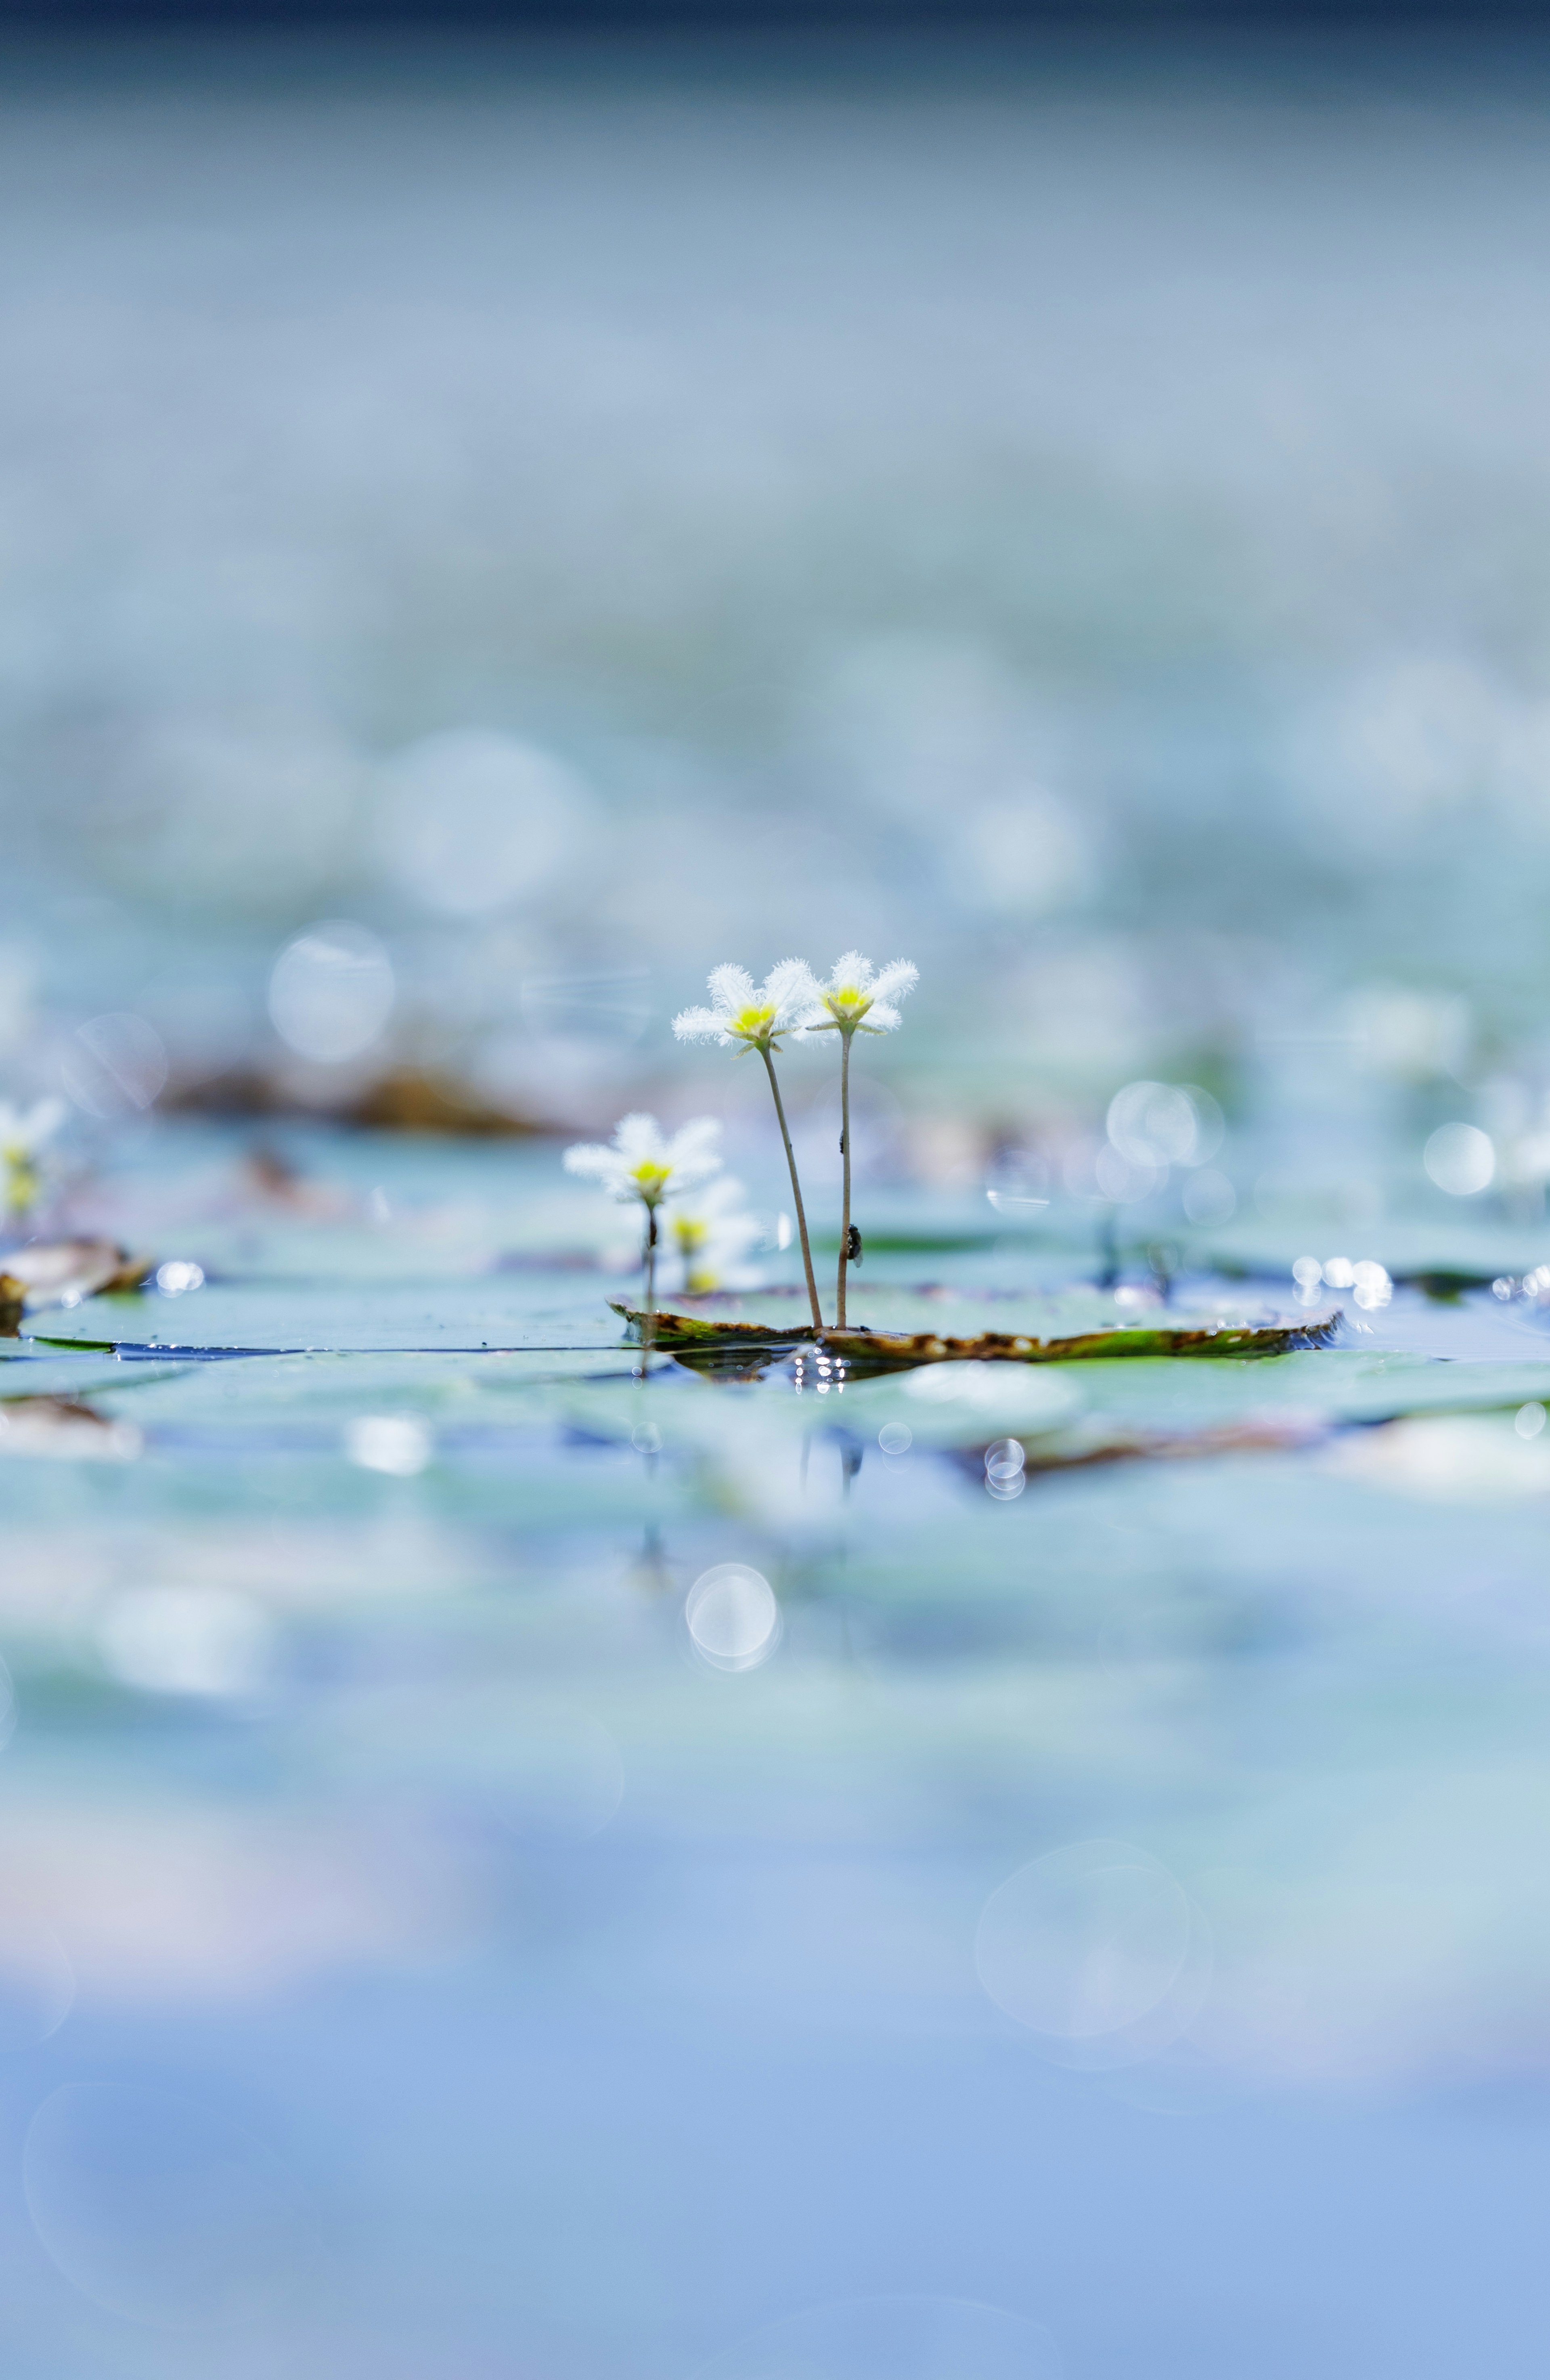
421 1952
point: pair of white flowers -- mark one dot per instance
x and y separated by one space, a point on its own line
791 1003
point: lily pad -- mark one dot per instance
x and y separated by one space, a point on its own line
673 1333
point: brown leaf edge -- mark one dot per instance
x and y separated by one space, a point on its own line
687 1332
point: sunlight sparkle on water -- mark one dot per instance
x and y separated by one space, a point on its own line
178 1276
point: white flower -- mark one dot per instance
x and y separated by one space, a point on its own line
22 1135
709 1233
755 1018
640 1164
856 999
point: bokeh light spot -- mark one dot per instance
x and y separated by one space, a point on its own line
733 1617
332 991
1085 1942
473 820
1461 1159
159 2210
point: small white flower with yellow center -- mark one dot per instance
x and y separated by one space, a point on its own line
855 1000
640 1166
641 1163
709 1233
754 1019
742 1017
858 1000
22 1135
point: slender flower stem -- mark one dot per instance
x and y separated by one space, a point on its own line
649 1257
845 1153
796 1194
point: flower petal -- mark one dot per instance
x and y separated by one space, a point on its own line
592 1161
731 988
700 1024
639 1140
692 1152
790 988
899 977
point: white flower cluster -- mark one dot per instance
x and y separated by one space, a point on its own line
707 1235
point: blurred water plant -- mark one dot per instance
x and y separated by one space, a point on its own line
23 1132
641 1166
743 1018
855 1000
710 1231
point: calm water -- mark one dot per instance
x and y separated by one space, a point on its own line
423 1951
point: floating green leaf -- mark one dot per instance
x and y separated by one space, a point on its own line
692 1333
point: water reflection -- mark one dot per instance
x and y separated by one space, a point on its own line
180 1640
1098 1951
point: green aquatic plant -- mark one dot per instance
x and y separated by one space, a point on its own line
743 1018
856 999
640 1166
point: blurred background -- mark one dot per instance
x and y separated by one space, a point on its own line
533 519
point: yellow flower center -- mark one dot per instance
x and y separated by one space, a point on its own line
650 1178
22 1182
850 1000
752 1024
